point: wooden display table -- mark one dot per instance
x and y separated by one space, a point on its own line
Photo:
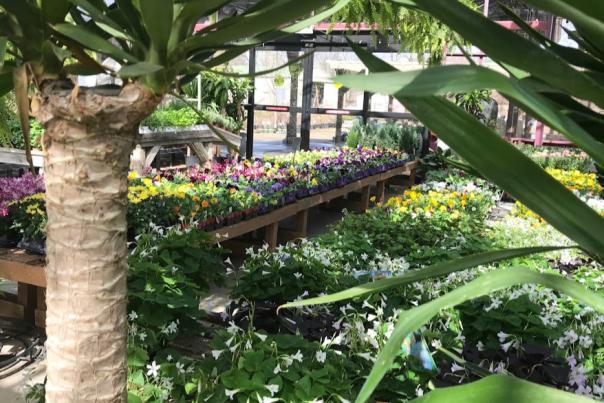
299 208
28 270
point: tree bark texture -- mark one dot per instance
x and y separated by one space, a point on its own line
89 134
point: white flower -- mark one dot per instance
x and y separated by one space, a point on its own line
228 261
233 328
506 346
298 275
180 367
230 393
265 399
585 341
277 369
455 367
419 391
502 336
132 316
142 336
320 356
298 356
216 353
153 369
272 389
173 327
366 356
261 336
169 357
480 346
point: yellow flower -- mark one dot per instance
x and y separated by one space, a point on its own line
132 175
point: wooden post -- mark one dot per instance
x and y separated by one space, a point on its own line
412 177
27 298
364 202
539 134
302 223
380 189
40 312
271 235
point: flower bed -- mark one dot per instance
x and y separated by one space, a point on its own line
584 185
220 194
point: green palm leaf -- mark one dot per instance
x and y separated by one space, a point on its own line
501 389
411 320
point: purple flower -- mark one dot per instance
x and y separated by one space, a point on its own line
12 189
276 187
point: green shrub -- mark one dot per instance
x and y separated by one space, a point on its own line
177 114
392 135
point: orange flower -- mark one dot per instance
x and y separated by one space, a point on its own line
205 204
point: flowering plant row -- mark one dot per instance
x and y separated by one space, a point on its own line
220 193
584 185
225 193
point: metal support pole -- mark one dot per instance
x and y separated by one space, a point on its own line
249 142
539 135
366 105
306 102
199 92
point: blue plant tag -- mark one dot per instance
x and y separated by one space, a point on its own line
417 349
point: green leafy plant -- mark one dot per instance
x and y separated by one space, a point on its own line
391 135
169 271
418 31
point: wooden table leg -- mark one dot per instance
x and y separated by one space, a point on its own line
40 313
271 235
380 191
302 223
412 177
26 296
364 202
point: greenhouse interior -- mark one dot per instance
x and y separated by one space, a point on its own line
301 201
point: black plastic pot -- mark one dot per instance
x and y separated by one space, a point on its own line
36 246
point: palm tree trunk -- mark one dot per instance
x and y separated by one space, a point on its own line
89 134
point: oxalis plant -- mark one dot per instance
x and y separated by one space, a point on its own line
550 82
89 134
